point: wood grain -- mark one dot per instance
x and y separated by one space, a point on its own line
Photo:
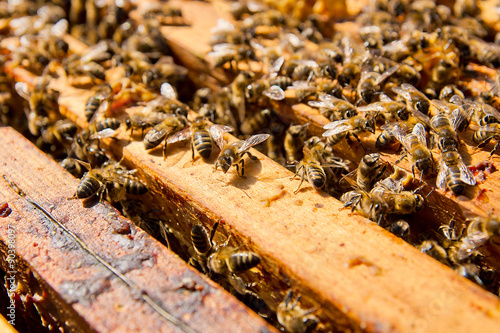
78 289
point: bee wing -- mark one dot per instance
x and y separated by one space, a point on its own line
168 91
180 136
458 116
317 104
409 88
390 184
275 93
301 84
466 175
252 141
441 106
424 118
223 26
398 90
338 129
23 90
60 28
456 99
399 133
490 110
384 98
276 65
441 177
419 131
218 136
373 107
105 133
99 52
386 74
223 128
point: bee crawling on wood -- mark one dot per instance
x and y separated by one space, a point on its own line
200 134
293 318
111 181
232 153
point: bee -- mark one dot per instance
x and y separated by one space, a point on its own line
369 171
111 180
400 228
448 91
294 141
227 260
61 131
334 108
144 120
200 133
369 83
161 131
433 249
453 173
483 113
98 130
312 169
486 133
102 94
293 318
479 231
202 245
364 203
224 53
338 130
398 200
41 102
415 100
71 165
415 145
232 153
238 87
394 110
445 125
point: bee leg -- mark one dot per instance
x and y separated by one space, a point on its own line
216 165
192 152
400 159
242 168
253 158
301 178
494 149
165 150
359 141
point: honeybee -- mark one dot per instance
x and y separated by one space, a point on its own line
71 165
394 110
433 249
111 180
232 153
479 231
224 53
102 94
144 120
369 83
202 245
448 91
200 133
238 87
312 169
98 130
397 200
369 171
227 260
334 108
41 102
367 205
453 173
294 141
486 133
340 129
161 131
61 131
445 124
415 145
415 100
302 89
483 113
293 318
400 228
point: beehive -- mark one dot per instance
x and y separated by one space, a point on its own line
356 275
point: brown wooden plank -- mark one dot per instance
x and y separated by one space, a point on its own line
69 273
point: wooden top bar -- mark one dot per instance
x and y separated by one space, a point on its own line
162 284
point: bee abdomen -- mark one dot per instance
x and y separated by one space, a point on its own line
135 187
91 107
242 261
112 123
454 183
200 239
203 144
317 176
87 188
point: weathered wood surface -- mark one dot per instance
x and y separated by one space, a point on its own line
78 289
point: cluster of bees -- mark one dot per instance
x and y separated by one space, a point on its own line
397 76
402 74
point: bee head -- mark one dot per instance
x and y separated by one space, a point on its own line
419 202
225 163
423 106
403 113
370 125
128 123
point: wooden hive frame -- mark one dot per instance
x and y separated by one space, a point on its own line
356 274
